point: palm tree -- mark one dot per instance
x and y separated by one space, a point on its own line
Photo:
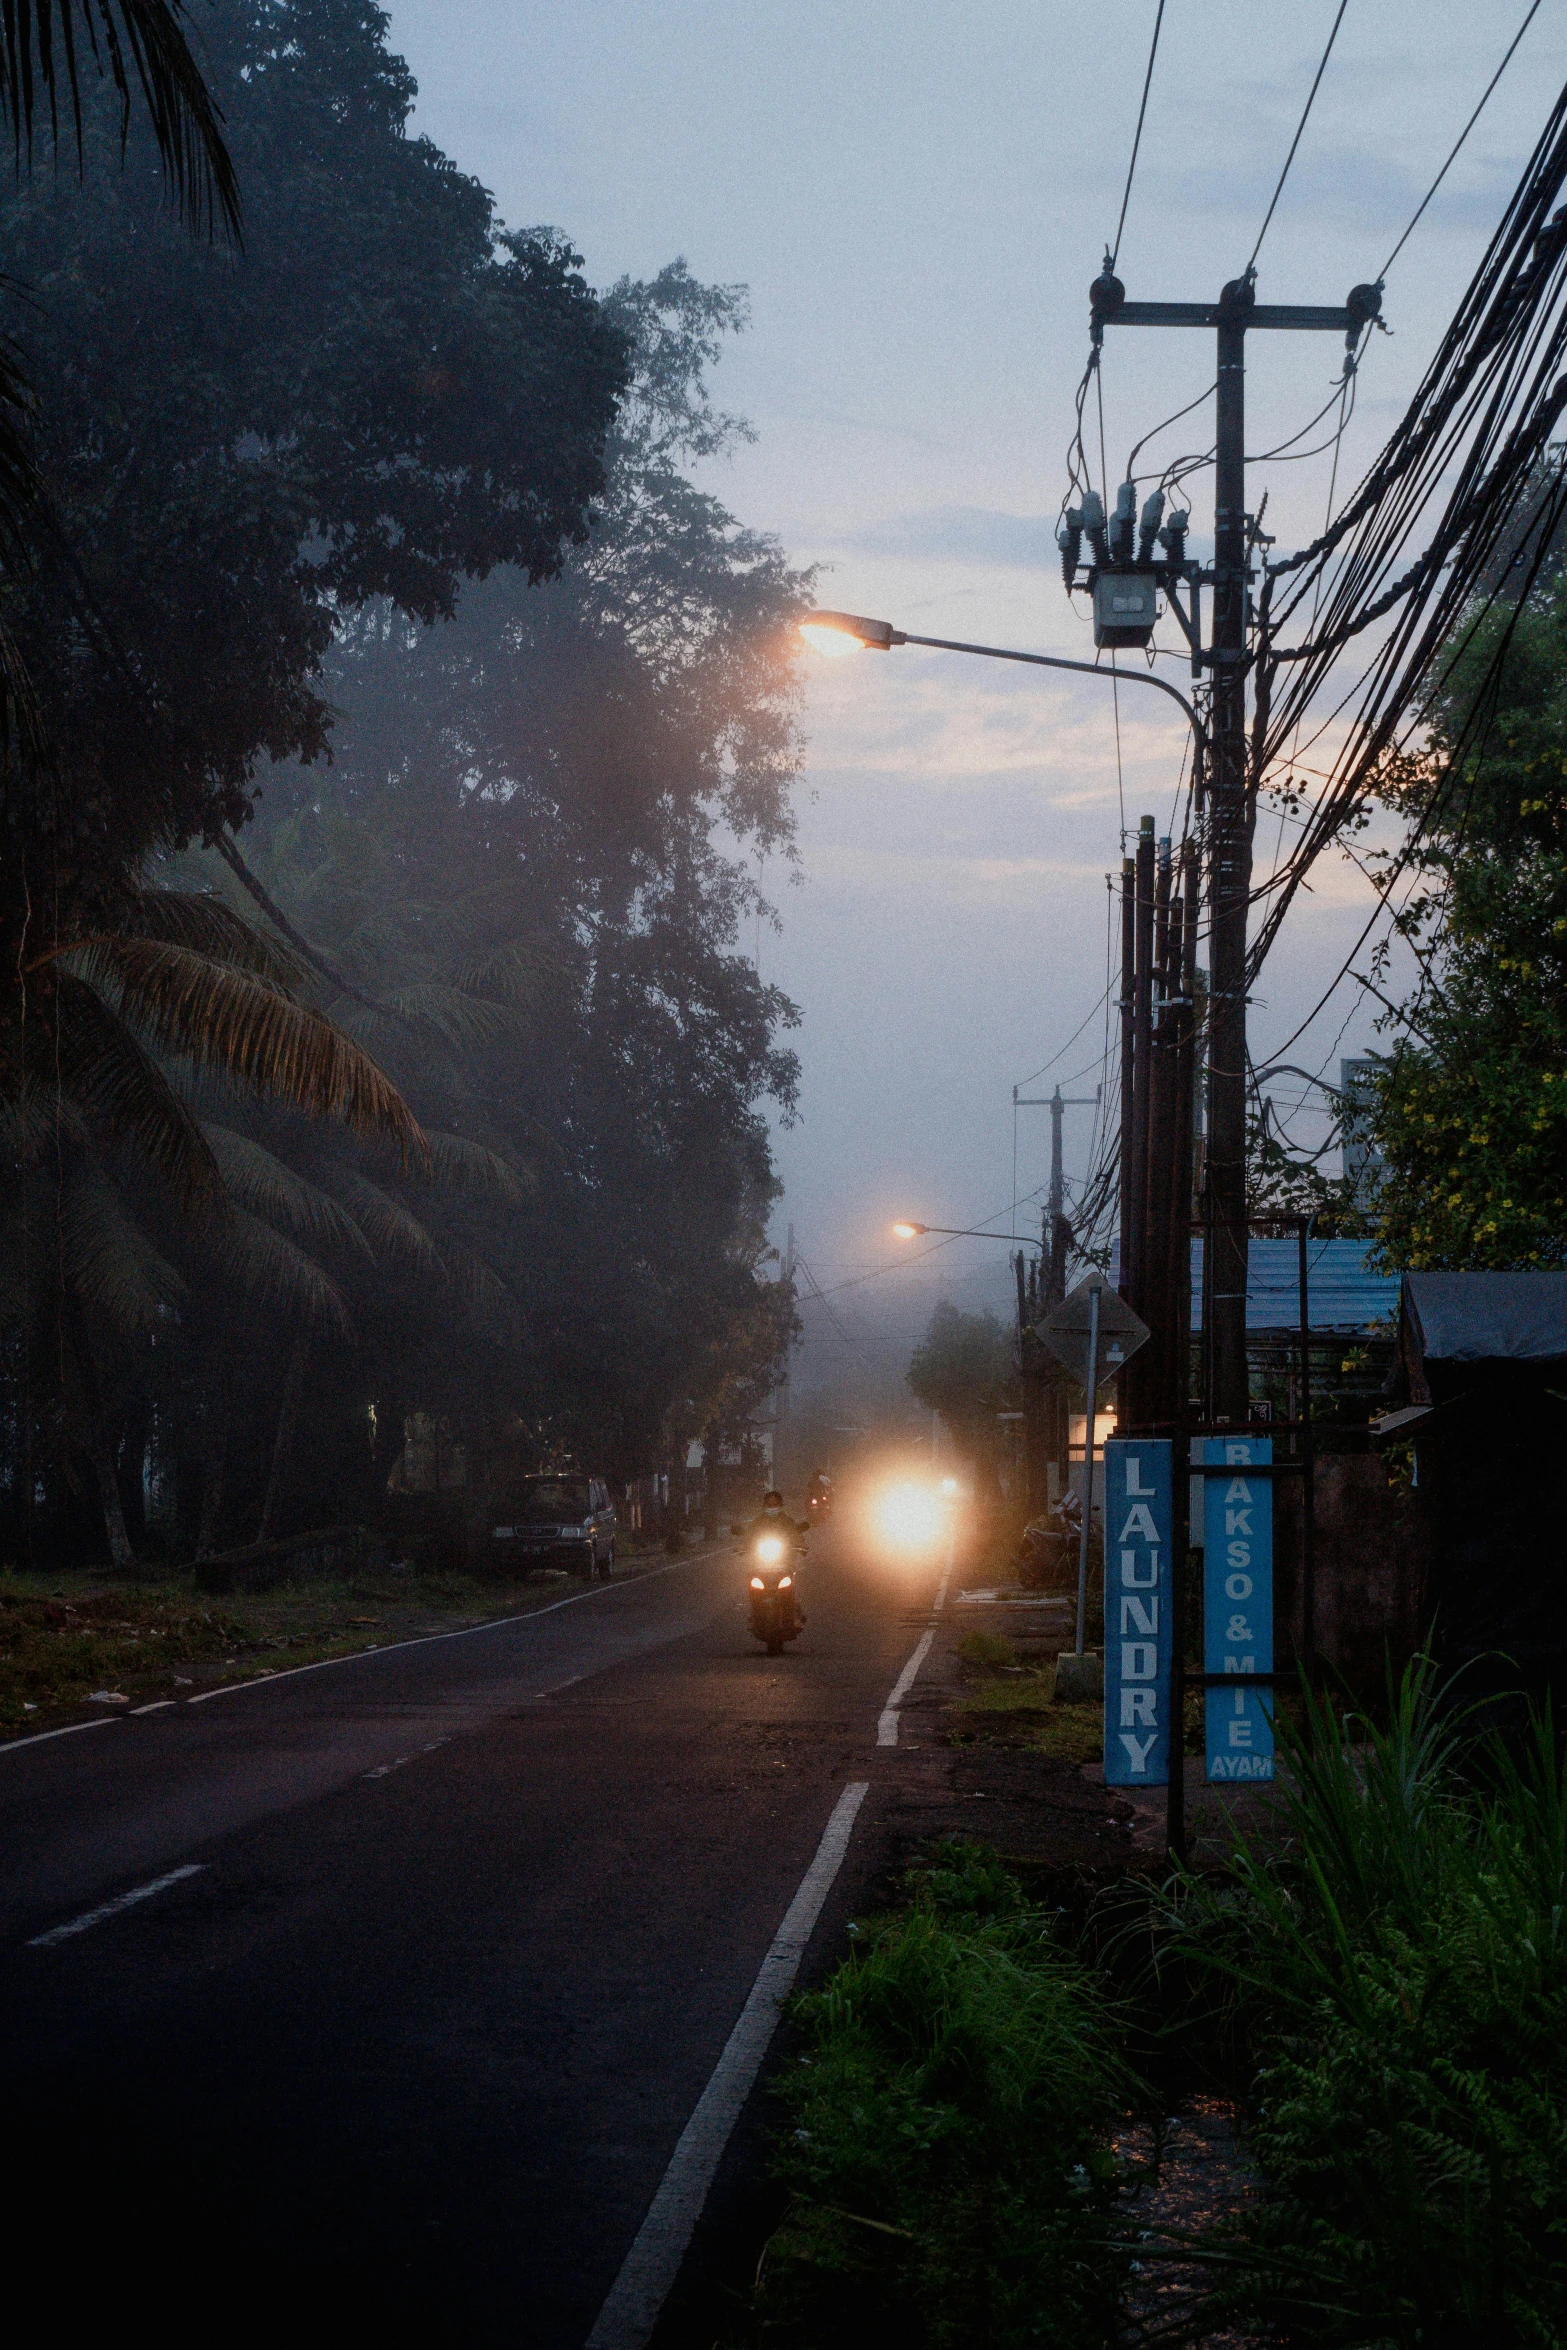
87 1087
140 48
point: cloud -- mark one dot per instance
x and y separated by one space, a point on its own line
959 534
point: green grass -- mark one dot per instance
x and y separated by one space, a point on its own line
1020 1706
987 1649
1393 1979
66 1635
945 2142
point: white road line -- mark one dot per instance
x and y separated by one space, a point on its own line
112 1909
887 1727
639 2292
428 1639
37 1737
160 1705
358 1655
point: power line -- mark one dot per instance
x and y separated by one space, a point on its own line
1299 128
1169 420
1153 51
1060 1055
1458 142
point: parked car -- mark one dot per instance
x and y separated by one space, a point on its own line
556 1519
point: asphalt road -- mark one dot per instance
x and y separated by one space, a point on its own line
468 1927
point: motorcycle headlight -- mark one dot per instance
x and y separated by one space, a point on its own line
784 1582
757 1584
769 1550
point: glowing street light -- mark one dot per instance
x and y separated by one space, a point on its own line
839 633
904 1229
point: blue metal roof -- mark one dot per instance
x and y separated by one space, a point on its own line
1343 1294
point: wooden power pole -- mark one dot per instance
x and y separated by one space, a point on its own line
1231 800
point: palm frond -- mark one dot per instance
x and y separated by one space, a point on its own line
512 973
460 1164
392 1229
199 919
231 1020
276 1271
140 40
492 1305
100 1066
273 1190
32 1118
108 1259
465 1022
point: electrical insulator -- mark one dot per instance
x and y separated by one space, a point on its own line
1094 525
1125 522
1069 538
1148 528
1173 536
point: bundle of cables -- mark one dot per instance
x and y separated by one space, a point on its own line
1470 456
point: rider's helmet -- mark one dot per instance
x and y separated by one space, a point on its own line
772 1501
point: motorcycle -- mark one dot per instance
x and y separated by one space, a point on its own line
821 1508
775 1604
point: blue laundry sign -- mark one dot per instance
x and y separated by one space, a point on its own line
1138 1564
1238 1604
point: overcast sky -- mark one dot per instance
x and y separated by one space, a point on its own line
917 197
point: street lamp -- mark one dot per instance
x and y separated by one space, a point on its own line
904 1230
839 633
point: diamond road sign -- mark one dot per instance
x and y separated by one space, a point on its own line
1065 1330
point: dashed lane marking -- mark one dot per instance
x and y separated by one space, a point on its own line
112 1909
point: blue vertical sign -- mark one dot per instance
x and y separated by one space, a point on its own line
1237 1609
1138 1522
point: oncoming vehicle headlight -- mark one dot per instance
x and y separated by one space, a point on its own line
908 1517
757 1584
784 1582
769 1550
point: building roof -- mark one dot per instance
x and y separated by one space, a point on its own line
1343 1294
1487 1317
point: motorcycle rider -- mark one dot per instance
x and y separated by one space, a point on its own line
772 1519
819 1492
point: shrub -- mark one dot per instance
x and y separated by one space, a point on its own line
990 1649
946 2158
1396 1979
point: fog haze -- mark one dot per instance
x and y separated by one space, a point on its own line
917 199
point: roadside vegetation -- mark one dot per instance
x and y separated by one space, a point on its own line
391 733
72 1643
945 2148
1373 1979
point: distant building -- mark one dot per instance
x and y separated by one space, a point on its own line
1344 1297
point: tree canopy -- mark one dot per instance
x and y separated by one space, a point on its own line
389 566
1470 1114
965 1368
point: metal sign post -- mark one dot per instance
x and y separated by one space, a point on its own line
1092 1332
1089 1432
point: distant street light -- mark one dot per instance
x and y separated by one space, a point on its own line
904 1230
839 633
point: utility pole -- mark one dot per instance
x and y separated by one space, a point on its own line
781 1393
1124 588
1045 1429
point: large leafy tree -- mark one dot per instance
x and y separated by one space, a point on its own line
965 1368
1471 1112
534 861
379 398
